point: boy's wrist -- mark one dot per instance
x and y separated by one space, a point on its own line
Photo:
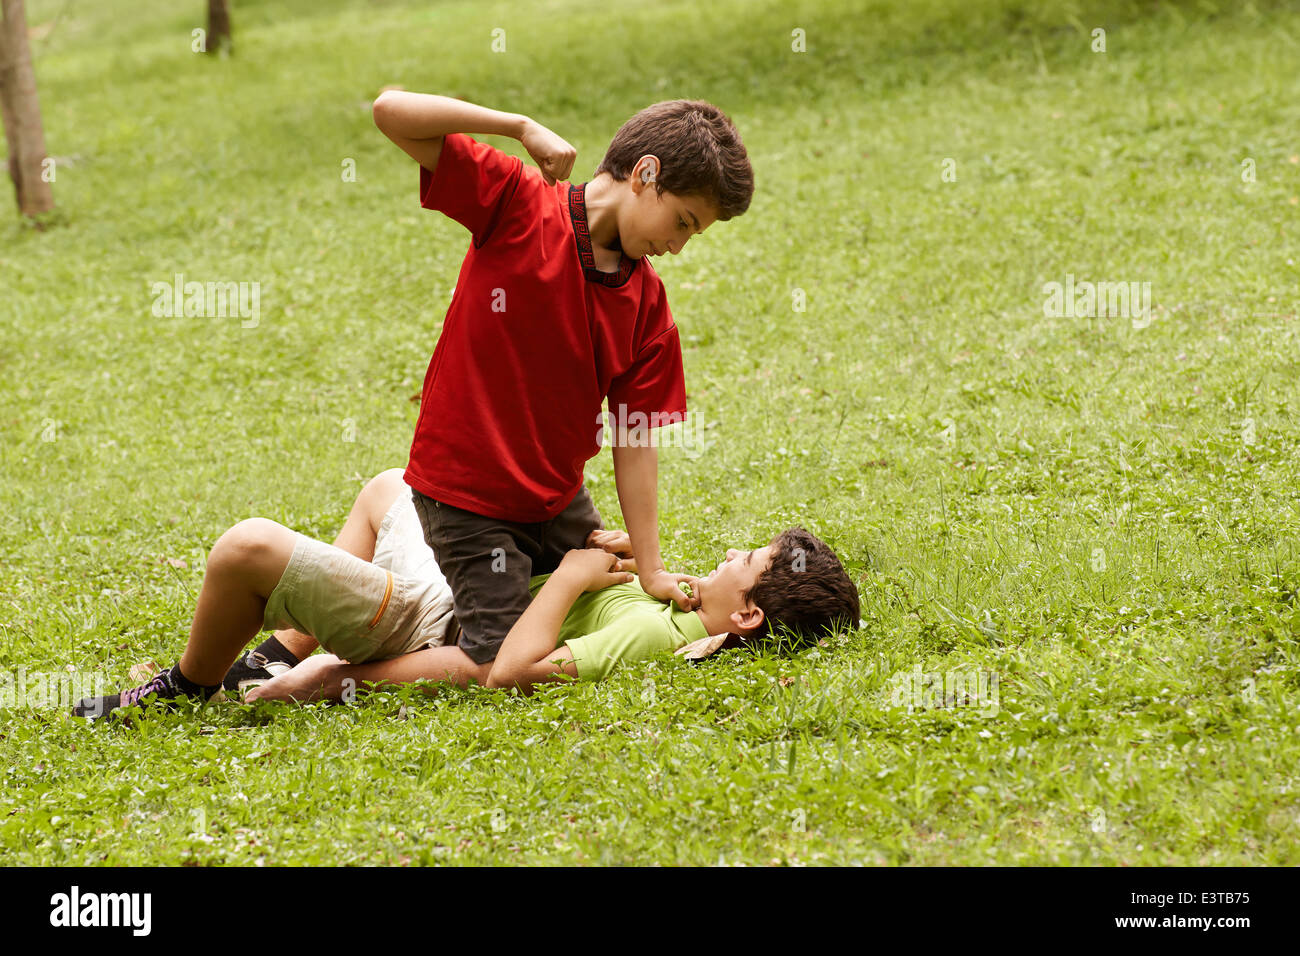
566 578
649 560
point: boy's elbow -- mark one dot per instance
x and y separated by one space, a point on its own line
381 110
500 677
505 679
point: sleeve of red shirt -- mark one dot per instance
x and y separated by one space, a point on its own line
473 184
655 383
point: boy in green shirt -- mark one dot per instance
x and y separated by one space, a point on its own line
377 601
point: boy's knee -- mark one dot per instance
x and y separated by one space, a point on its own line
386 483
378 495
248 542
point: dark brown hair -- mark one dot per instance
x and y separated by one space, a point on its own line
699 150
805 591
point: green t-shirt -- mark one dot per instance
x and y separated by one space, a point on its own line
621 623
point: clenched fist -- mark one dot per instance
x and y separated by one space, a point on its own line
553 156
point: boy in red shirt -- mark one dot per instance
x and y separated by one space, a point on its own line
556 308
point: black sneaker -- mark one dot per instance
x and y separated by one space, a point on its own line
159 686
253 670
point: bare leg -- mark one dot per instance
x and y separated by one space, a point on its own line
243 569
357 537
325 677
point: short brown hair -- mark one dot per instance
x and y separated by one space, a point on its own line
699 150
805 591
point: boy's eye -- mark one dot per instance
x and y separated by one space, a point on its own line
681 224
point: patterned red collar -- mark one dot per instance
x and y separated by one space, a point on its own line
578 216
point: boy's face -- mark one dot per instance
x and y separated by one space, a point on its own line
652 225
722 592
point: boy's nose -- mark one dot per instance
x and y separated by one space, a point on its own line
731 553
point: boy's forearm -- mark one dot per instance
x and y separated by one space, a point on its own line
538 628
427 115
636 474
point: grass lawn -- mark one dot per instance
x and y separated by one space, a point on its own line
1088 522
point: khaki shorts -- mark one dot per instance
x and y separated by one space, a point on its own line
367 610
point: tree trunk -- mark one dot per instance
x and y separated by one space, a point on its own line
21 111
219 26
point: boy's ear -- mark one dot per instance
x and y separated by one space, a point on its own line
747 620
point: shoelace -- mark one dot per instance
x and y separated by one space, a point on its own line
158 685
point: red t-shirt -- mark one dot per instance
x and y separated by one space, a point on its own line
535 338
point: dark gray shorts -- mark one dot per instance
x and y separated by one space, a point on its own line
488 563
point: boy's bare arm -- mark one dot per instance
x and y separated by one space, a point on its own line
417 122
529 655
636 474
